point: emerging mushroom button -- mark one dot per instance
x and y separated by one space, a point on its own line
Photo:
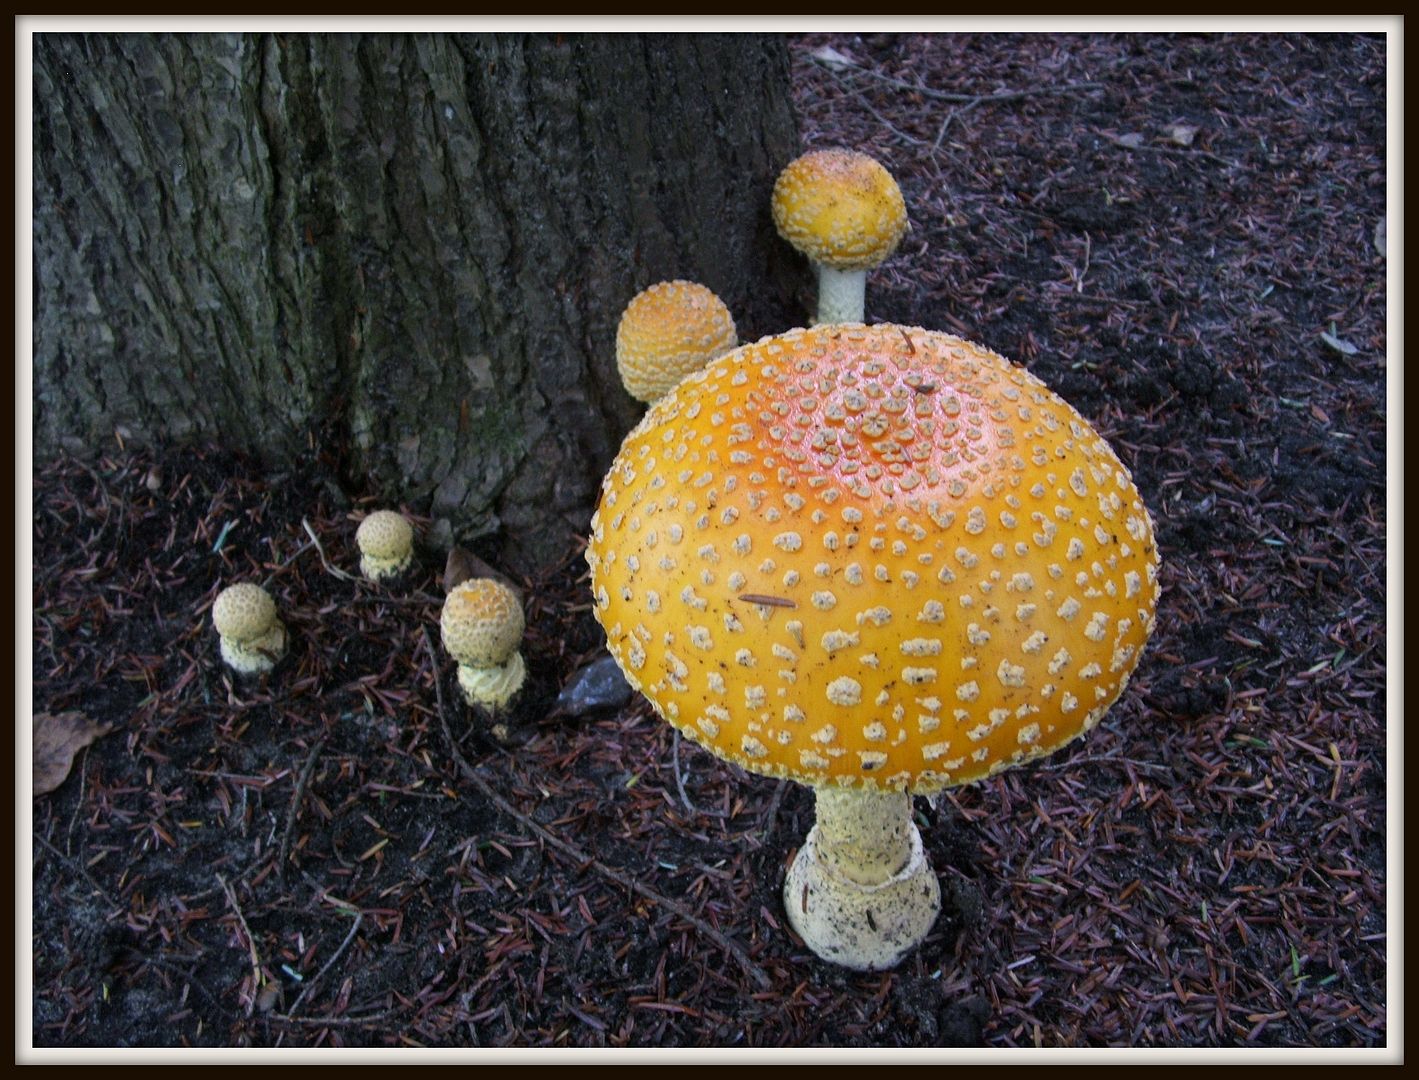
873 560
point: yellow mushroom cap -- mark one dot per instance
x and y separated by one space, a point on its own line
385 534
482 623
841 208
243 612
667 331
878 556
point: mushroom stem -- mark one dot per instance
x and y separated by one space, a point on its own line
860 893
842 295
864 835
494 686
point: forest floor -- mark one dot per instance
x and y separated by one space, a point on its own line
1181 235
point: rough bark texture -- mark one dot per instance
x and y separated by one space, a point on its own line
406 252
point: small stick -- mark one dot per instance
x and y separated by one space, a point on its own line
266 584
572 851
336 1021
188 977
973 99
1176 151
772 812
323 560
79 869
293 810
250 944
291 1012
679 779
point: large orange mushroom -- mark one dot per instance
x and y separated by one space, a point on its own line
875 560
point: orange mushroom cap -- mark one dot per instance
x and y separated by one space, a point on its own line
667 331
841 208
872 556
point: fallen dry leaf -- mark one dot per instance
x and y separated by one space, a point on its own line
57 738
457 569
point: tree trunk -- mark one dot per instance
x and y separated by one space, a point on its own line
408 253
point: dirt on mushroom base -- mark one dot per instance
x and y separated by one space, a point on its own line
1223 830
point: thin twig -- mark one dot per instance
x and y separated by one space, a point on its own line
309 986
250 944
679 778
266 584
1175 151
970 99
771 813
81 871
293 810
323 560
572 851
188 977
335 1021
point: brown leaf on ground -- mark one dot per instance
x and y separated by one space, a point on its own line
57 738
458 568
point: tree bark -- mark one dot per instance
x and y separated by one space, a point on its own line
405 252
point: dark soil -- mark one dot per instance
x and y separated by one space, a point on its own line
303 861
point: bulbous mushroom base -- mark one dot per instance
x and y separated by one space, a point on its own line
385 570
860 892
257 655
492 687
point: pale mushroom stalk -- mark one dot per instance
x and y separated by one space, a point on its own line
860 891
842 295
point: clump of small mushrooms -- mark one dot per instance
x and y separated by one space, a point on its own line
253 638
386 542
844 211
877 560
667 331
481 625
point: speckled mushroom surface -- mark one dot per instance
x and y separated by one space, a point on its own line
667 331
386 542
878 556
481 623
252 637
841 208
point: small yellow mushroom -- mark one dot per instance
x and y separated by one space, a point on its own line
253 638
668 331
386 543
481 625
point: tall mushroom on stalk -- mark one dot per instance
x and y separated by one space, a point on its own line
667 331
844 211
875 560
